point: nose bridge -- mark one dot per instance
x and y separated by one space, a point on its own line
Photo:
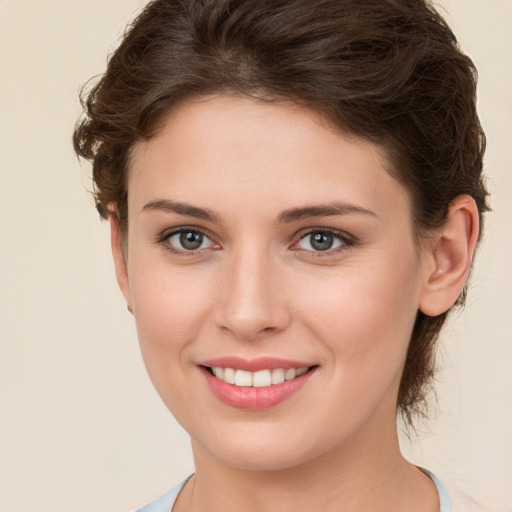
252 304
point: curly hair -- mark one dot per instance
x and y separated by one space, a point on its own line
388 71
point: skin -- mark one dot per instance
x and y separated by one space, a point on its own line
256 287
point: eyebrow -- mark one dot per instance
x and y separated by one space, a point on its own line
291 215
181 208
323 210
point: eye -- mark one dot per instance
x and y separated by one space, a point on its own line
187 240
322 240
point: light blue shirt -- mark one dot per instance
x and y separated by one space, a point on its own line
166 502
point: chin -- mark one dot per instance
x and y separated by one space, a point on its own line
263 460
261 451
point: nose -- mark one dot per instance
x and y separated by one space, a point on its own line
253 301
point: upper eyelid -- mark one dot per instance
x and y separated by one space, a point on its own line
162 239
348 241
166 233
319 229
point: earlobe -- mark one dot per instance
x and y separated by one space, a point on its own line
449 257
119 256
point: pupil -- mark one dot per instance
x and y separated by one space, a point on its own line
321 241
190 240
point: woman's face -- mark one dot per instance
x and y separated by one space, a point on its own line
262 242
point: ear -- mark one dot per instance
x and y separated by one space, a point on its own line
120 261
449 256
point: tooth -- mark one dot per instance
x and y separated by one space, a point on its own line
261 379
218 372
290 374
229 375
243 378
277 376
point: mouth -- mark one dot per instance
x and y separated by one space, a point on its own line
255 385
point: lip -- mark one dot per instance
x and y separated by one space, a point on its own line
254 398
255 365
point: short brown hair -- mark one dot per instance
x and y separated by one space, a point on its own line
389 71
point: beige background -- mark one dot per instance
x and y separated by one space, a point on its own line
81 428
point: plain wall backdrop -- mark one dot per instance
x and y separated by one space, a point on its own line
81 427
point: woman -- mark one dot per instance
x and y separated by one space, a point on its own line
295 195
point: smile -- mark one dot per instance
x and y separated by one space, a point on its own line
258 379
257 384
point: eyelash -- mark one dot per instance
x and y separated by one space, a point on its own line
346 241
164 240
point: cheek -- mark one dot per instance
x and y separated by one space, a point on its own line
171 307
365 323
170 314
365 318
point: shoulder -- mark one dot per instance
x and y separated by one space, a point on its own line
463 502
165 502
454 499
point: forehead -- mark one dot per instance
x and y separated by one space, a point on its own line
250 152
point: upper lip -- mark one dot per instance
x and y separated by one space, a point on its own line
254 365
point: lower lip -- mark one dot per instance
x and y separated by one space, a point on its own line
252 398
